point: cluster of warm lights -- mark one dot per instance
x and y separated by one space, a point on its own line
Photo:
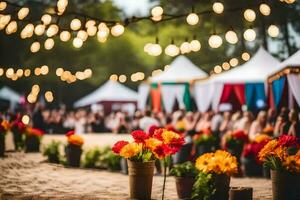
61 6
33 95
233 62
67 76
43 70
138 76
49 96
15 74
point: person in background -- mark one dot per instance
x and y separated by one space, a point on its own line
225 125
245 122
216 122
258 125
271 117
295 123
37 117
235 120
147 121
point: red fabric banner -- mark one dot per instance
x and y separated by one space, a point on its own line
156 98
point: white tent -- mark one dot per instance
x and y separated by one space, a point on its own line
256 70
293 61
10 95
180 70
110 91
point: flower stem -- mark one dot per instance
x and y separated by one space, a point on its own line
165 178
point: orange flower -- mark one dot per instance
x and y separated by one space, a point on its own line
268 150
262 138
169 136
75 140
152 143
5 124
292 163
130 150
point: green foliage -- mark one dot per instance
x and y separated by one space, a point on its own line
186 169
51 151
203 188
91 158
206 139
110 160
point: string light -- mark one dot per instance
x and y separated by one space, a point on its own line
27 72
46 19
77 42
3 5
103 32
249 35
172 50
82 35
231 37
157 11
245 56
44 70
39 29
26 119
154 50
234 62
1 71
27 31
49 44
35 47
113 77
12 27
117 30
122 78
49 96
265 9
195 45
65 36
249 15
226 66
23 12
59 71
192 19
218 69
185 48
273 31
218 7
75 24
215 41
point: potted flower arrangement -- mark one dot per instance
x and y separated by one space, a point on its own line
32 139
282 156
251 164
234 142
141 155
52 152
4 127
185 174
73 150
214 178
205 142
18 128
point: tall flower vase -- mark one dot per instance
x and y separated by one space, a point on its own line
73 155
32 143
2 144
140 179
221 183
285 186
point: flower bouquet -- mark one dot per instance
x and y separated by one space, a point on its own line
234 142
32 139
4 127
282 156
214 177
18 128
185 174
205 142
251 164
141 155
73 150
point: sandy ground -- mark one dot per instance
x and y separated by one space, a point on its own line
27 176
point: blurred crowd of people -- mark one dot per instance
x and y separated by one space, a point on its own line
56 121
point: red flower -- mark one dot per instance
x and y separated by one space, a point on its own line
118 146
240 135
162 151
152 130
35 131
69 133
21 127
139 136
176 144
289 141
158 134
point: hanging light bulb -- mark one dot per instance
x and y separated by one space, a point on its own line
90 23
23 12
147 47
117 30
249 35
27 31
195 45
77 42
4 20
103 30
155 50
82 35
273 31
218 7
226 66
46 19
172 50
185 48
157 18
52 30
39 29
35 47
3 5
91 30
249 15
231 37
49 44
192 19
157 11
265 9
215 41
234 62
218 69
65 36
12 27
75 24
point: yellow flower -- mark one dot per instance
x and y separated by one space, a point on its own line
168 136
130 150
268 150
152 143
76 140
292 163
261 137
